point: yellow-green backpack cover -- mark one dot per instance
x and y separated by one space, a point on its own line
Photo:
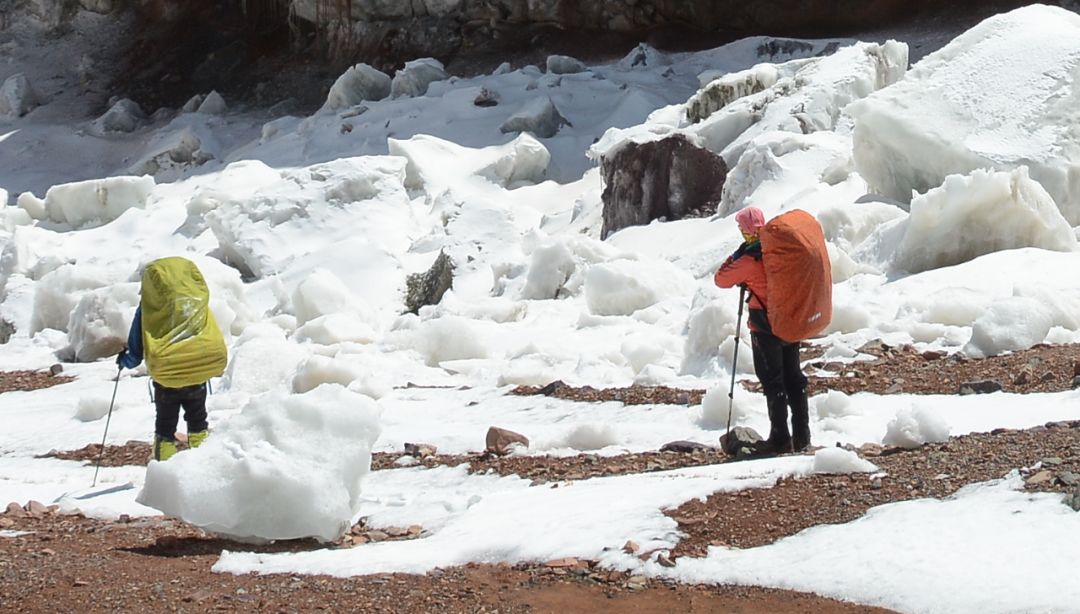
181 340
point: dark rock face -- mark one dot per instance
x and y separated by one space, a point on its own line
429 287
667 179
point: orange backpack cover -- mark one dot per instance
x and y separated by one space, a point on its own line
799 275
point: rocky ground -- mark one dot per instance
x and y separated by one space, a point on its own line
64 562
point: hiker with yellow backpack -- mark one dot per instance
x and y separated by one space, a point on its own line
175 331
784 265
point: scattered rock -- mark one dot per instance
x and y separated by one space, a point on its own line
564 65
1076 382
668 179
16 510
1024 377
1042 477
501 441
684 447
739 438
1074 500
980 387
1076 369
539 116
420 450
1068 478
377 536
565 563
17 97
213 104
429 287
486 98
37 509
932 355
664 560
1051 460
56 369
631 547
416 76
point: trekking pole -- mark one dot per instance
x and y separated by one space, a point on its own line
735 358
107 420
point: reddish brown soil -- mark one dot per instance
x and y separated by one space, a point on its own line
71 563
30 380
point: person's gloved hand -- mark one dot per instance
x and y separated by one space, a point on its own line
121 357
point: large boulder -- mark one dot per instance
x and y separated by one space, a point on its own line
669 178
17 97
1001 95
213 104
428 288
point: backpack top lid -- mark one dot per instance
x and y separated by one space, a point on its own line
799 275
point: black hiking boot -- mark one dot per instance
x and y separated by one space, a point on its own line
800 422
779 441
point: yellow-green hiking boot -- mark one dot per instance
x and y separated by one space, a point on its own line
163 449
195 439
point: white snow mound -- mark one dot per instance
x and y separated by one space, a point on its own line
96 201
1001 95
969 216
357 84
912 428
839 460
287 467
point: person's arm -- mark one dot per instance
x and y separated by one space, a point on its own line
735 271
133 355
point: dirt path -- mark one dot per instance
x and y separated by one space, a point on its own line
70 563
74 564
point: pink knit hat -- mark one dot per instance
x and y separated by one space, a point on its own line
750 219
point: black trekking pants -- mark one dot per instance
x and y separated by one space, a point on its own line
776 363
168 402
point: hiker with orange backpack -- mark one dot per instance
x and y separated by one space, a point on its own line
176 331
790 299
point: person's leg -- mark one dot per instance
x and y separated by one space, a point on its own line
167 413
795 388
194 403
768 364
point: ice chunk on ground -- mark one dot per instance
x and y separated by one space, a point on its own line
336 328
414 78
319 370
288 466
435 164
1015 323
835 404
984 212
912 428
810 100
97 201
89 409
839 460
17 97
123 116
622 287
59 291
262 360
98 326
592 437
357 84
539 116
549 270
321 293
1001 95
213 104
564 65
715 403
